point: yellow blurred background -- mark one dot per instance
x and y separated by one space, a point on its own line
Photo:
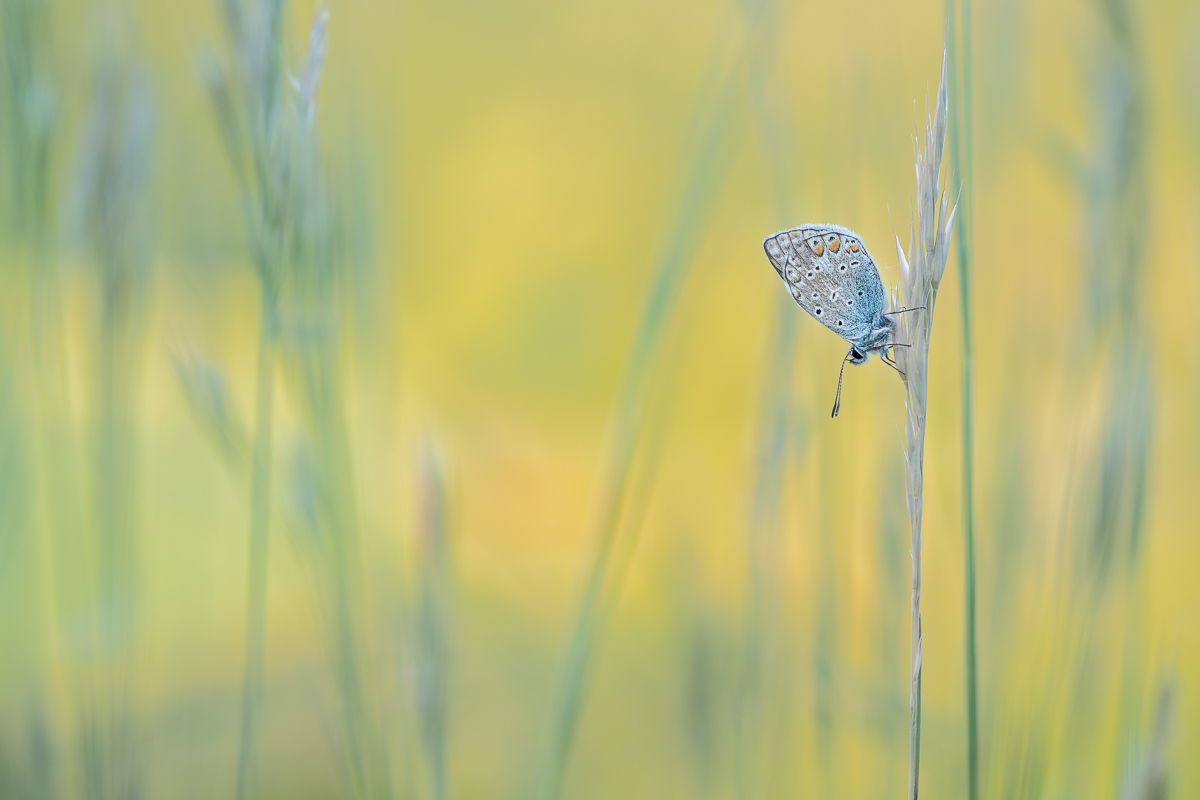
510 181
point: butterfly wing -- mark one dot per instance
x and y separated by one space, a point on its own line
830 274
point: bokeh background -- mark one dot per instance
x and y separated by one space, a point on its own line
526 342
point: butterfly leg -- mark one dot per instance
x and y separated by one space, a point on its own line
885 358
902 311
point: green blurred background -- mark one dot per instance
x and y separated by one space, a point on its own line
525 311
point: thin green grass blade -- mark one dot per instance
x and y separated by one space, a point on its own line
960 154
758 757
721 130
260 511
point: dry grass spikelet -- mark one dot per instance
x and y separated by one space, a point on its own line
921 272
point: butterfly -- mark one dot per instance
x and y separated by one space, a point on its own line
830 274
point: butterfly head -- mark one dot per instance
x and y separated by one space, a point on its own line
857 355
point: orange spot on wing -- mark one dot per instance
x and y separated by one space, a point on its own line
820 248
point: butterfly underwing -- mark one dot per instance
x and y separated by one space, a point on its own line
830 274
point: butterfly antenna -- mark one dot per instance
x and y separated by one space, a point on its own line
837 401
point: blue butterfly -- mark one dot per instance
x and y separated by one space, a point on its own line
830 275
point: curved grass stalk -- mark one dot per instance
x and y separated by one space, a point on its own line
920 276
712 162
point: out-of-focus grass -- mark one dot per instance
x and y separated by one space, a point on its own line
259 131
1114 364
961 171
718 130
37 497
764 675
433 627
115 214
521 166
266 115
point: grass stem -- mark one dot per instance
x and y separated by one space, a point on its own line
260 516
712 161
960 154
920 276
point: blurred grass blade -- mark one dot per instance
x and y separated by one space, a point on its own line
207 393
433 633
961 171
112 200
761 757
721 128
1111 372
254 30
260 514
1150 779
